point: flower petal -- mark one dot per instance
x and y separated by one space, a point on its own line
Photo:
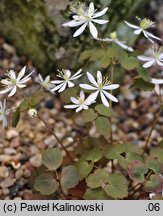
104 101
159 62
157 81
57 87
71 106
21 73
87 87
62 88
80 30
138 31
111 87
57 81
148 64
79 108
82 95
101 13
73 23
74 100
111 97
101 22
92 79
6 90
93 29
92 97
70 84
99 77
13 91
152 36
144 58
131 25
124 46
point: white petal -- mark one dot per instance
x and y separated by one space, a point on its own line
160 56
73 23
157 81
25 79
85 107
6 82
82 95
57 87
21 85
138 31
104 39
101 13
13 91
144 58
57 81
62 88
80 30
99 77
6 90
111 87
93 29
148 64
68 73
40 78
144 32
92 97
70 84
71 106
131 25
104 101
159 63
124 46
91 8
92 79
74 100
111 97
87 87
12 74
152 36
47 79
77 75
101 22
21 73
79 109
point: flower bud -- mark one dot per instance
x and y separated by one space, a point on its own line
32 113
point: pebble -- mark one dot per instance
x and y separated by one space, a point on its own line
7 182
5 191
5 158
15 142
17 198
4 173
19 173
36 160
34 150
9 151
12 133
50 141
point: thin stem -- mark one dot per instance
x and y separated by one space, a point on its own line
56 137
152 129
112 78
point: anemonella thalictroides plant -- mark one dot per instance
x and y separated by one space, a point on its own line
105 167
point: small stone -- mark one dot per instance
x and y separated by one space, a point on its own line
7 182
5 191
19 173
5 158
50 141
14 190
34 149
17 198
15 142
15 164
12 133
4 173
36 160
9 151
27 173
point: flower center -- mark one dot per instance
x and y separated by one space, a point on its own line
145 23
156 55
80 100
113 35
14 81
100 86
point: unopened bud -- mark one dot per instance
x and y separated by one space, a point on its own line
32 113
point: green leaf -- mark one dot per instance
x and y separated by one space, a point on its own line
86 55
69 177
144 74
46 184
15 118
103 110
93 155
141 84
89 115
23 106
84 168
97 54
117 186
52 158
97 178
105 61
128 62
157 152
69 92
160 144
154 164
103 125
113 51
137 170
154 184
95 194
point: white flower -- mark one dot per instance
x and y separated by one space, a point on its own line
13 82
66 77
79 103
32 113
157 81
86 17
113 38
144 24
3 113
100 87
155 58
45 83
